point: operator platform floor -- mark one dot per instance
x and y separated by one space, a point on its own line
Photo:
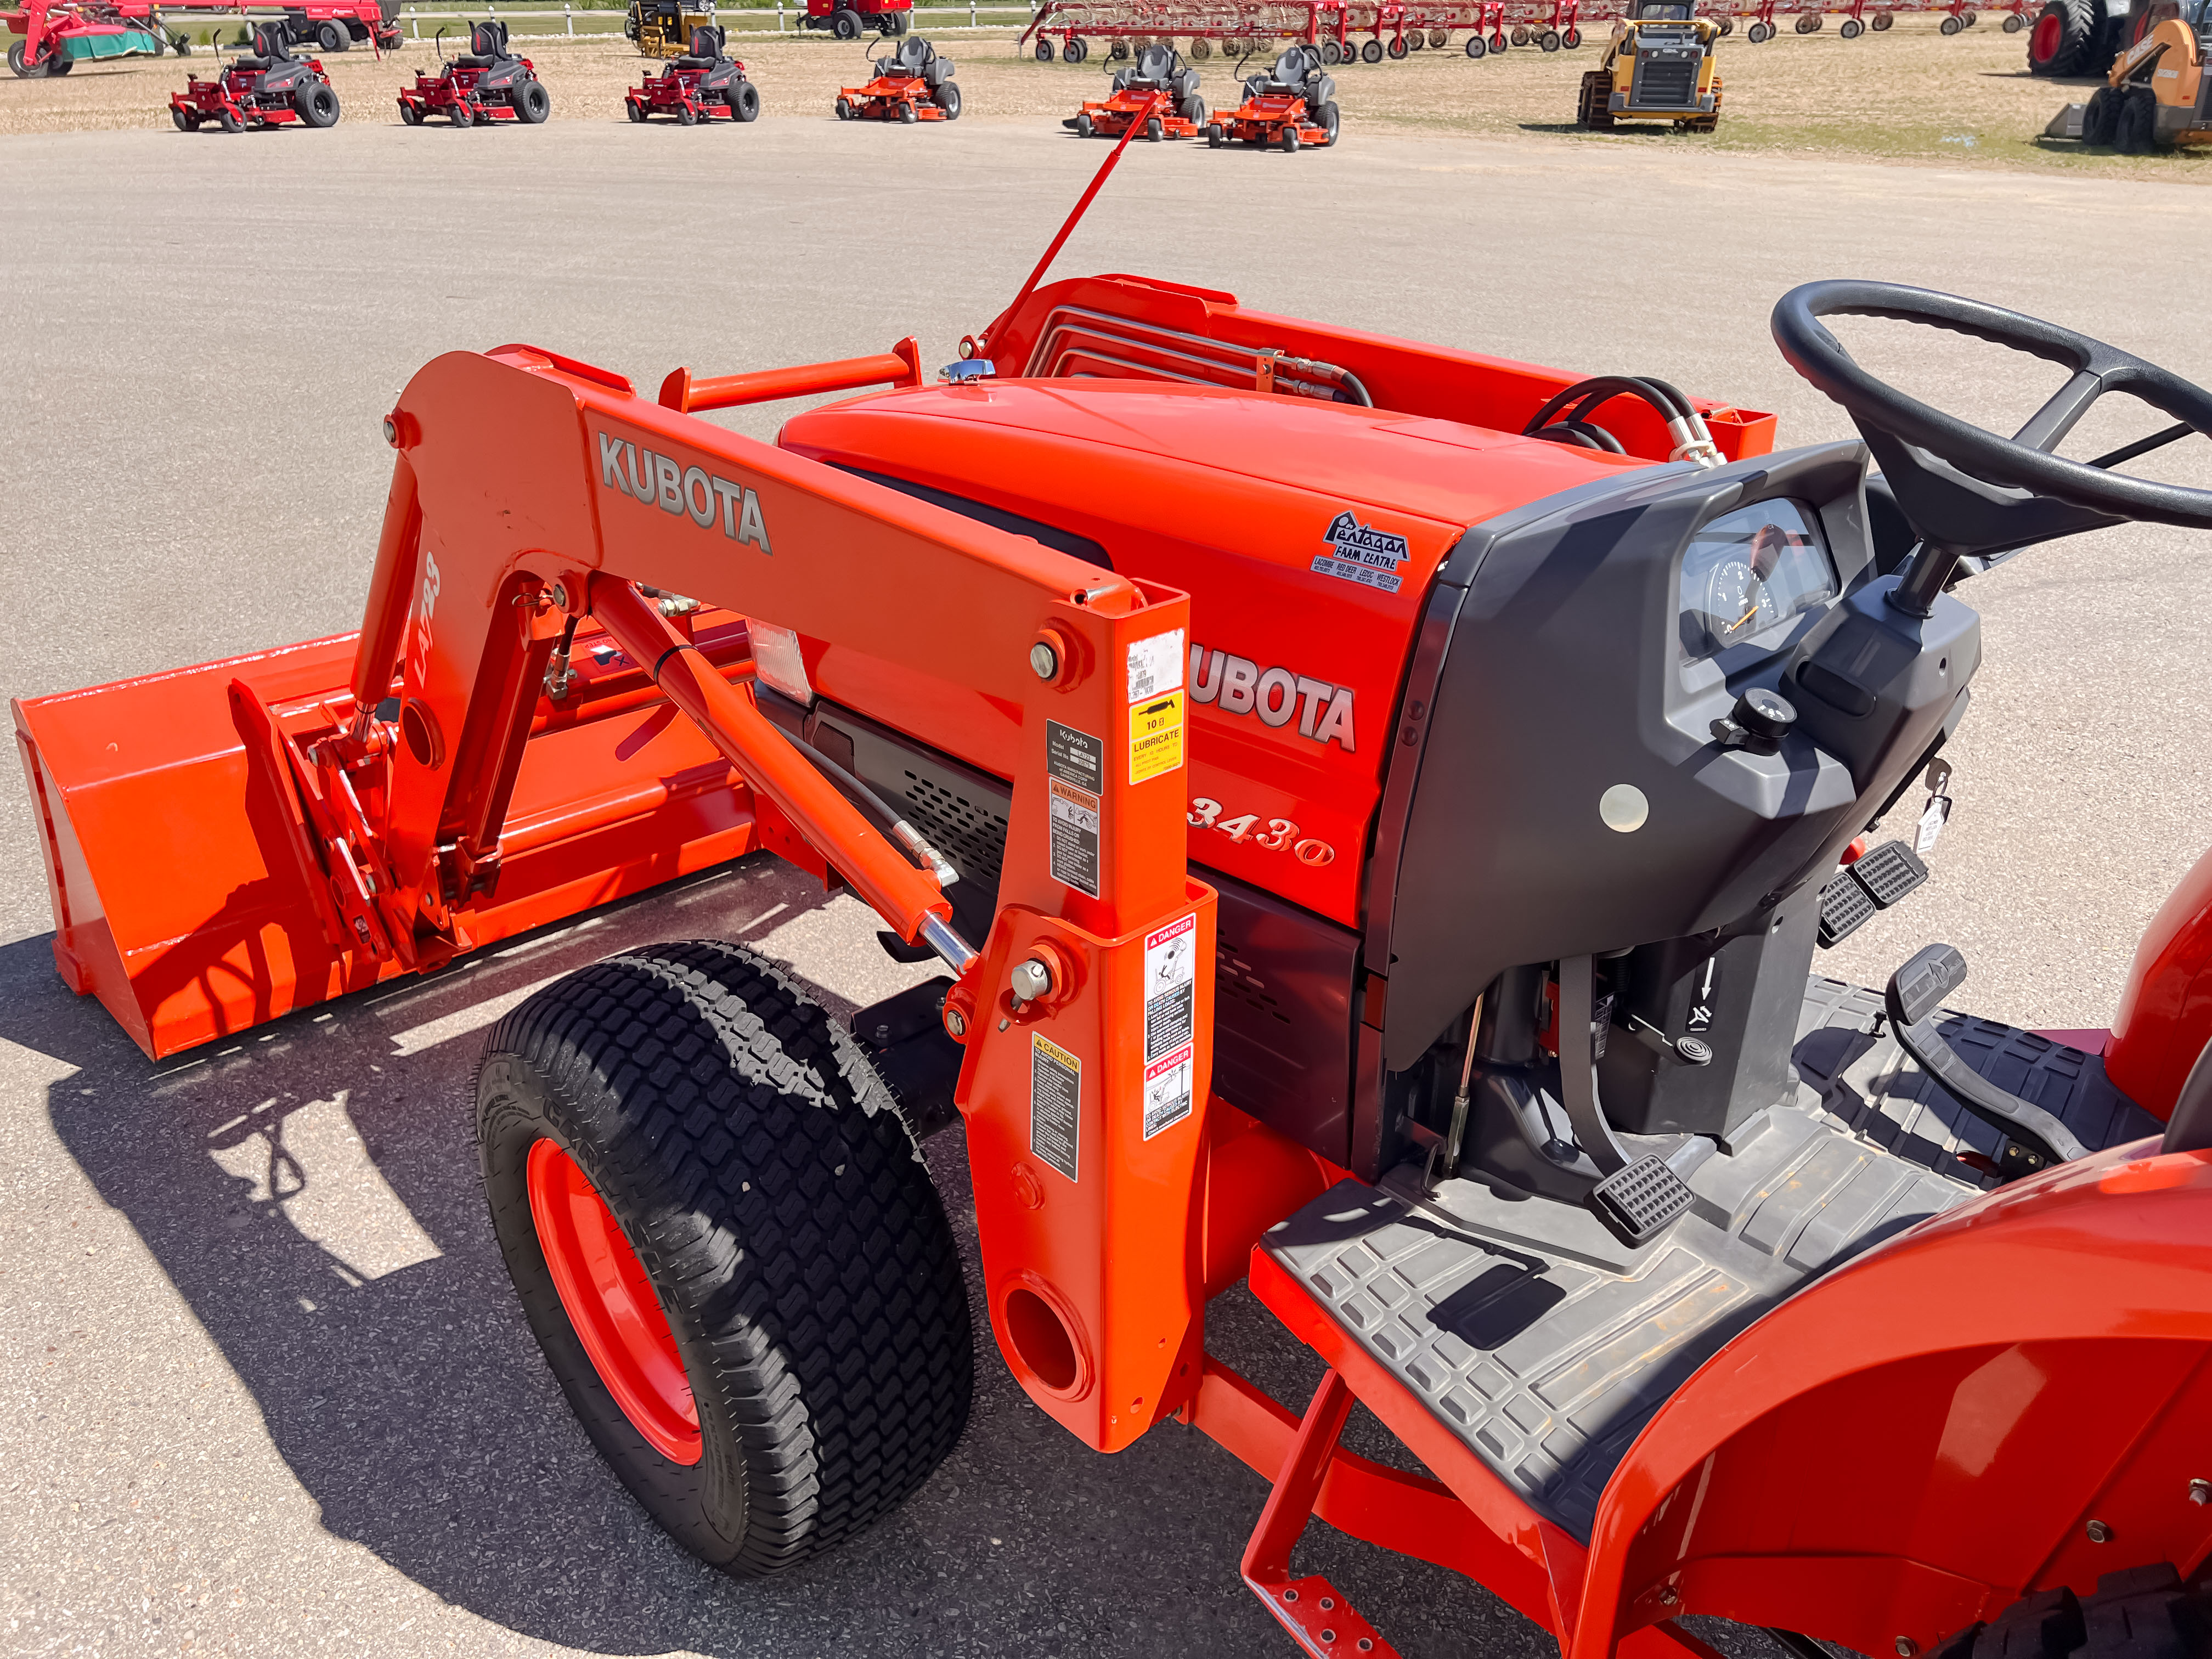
263 1389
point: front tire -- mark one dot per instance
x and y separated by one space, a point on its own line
2143 1613
686 1114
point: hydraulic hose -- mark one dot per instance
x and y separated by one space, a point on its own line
1692 441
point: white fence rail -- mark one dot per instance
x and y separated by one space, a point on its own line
416 17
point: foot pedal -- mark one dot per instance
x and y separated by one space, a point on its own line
1639 1202
1874 883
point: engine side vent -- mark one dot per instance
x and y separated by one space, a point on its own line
970 834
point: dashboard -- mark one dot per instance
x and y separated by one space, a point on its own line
1748 571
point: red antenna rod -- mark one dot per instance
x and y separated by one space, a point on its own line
983 342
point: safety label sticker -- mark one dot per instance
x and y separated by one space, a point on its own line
1171 986
1056 1103
1074 836
1166 1091
1075 764
1155 737
1155 666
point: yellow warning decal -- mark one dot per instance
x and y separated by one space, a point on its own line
1155 737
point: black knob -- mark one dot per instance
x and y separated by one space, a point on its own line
1765 714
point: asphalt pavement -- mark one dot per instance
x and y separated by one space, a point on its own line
263 1388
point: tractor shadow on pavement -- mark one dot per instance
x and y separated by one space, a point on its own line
311 1192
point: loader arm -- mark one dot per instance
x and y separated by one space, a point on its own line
232 843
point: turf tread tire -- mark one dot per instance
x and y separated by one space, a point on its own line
779 1203
2141 1612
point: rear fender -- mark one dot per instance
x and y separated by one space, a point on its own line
2164 1016
1917 1440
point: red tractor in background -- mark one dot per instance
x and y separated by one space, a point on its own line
1291 106
486 83
270 86
911 83
1157 92
703 84
1376 807
849 20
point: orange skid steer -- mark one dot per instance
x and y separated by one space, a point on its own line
1375 808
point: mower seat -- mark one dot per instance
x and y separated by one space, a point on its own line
487 47
706 51
1155 63
272 47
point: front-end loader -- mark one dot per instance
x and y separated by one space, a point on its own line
2156 95
1659 65
1376 808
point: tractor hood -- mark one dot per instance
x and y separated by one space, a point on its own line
1307 533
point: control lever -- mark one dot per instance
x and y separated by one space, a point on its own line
2035 1139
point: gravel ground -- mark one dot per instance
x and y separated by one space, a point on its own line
1909 96
266 1391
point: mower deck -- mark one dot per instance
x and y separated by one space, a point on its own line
1543 1345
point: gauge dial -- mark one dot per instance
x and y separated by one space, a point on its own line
1737 603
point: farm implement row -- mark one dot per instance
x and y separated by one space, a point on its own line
1371 31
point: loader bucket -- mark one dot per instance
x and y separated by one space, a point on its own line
187 895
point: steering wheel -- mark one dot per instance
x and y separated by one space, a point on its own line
1967 488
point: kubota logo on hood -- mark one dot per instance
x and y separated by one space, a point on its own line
1237 685
658 482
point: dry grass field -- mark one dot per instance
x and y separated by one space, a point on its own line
1908 96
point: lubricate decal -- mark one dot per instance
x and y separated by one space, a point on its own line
686 491
1237 685
1360 553
1155 705
1155 737
1075 775
1055 1104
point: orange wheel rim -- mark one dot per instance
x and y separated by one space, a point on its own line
611 1304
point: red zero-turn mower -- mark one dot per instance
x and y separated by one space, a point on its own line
486 83
912 83
268 88
705 83
1376 807
1157 93
1290 106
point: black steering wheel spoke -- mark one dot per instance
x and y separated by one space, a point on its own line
2048 427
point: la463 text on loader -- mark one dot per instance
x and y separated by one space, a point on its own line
1376 807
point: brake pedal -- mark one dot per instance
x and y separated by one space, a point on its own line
1874 882
1639 1202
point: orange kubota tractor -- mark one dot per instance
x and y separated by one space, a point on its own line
1376 807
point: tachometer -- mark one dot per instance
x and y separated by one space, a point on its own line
1747 571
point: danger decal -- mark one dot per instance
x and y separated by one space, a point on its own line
1170 1011
684 491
